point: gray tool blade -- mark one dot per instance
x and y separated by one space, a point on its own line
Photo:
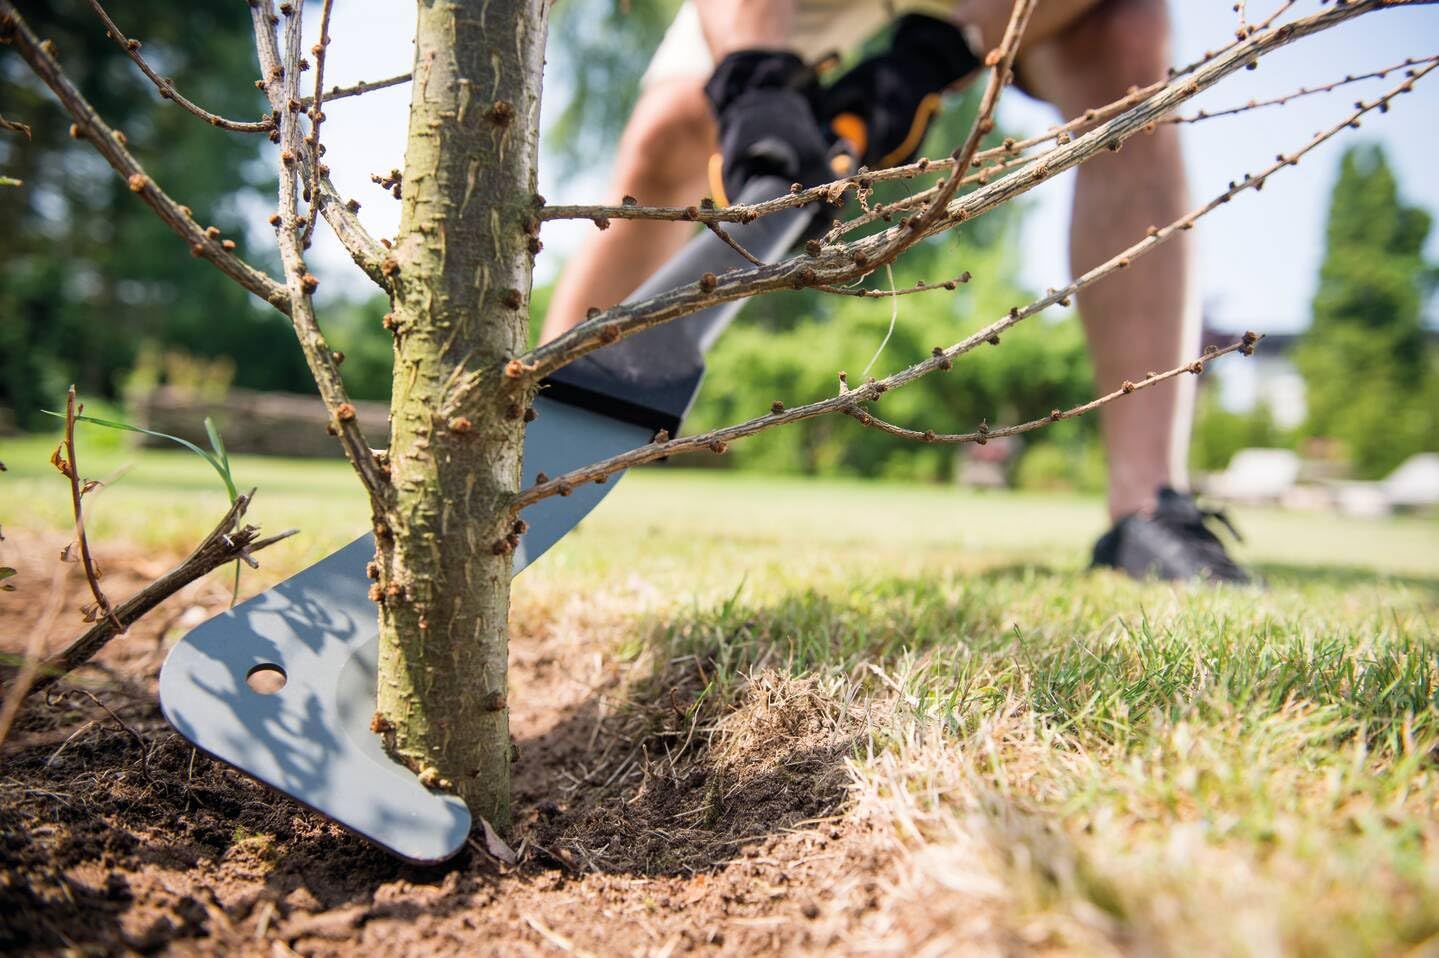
312 739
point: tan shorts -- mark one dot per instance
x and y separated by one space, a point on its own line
821 28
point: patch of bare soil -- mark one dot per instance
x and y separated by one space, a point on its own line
649 820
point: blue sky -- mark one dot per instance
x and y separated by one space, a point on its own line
1257 257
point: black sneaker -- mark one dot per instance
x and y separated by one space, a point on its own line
1172 542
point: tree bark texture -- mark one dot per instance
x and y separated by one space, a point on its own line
461 266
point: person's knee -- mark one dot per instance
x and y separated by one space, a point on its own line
669 136
1117 45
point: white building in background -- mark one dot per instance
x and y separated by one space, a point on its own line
1269 377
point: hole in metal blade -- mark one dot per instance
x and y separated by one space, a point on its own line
265 679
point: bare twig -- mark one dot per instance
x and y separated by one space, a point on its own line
340 93
167 86
920 287
14 126
282 85
111 145
717 440
745 213
1007 153
1001 62
729 241
986 433
362 247
120 726
226 543
840 263
887 211
1301 92
1264 24
316 113
70 468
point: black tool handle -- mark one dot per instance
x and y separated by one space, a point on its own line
651 378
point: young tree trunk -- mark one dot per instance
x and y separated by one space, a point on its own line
462 264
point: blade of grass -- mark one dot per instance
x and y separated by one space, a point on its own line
220 462
218 444
221 468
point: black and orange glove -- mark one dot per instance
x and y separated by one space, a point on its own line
897 93
765 103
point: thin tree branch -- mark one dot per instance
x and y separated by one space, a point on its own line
920 287
12 126
1112 133
984 434
1299 93
838 264
340 93
1264 24
282 86
226 543
1015 149
717 440
887 211
745 213
166 86
364 250
316 113
1002 62
111 145
69 467
730 241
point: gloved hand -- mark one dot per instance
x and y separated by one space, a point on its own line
896 93
764 101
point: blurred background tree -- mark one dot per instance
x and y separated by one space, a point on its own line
88 276
1371 379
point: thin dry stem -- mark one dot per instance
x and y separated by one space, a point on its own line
282 85
717 440
1002 61
730 241
920 287
71 469
226 543
985 433
342 92
1379 74
316 113
166 86
364 250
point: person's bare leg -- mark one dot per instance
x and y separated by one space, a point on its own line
662 162
1140 319
984 21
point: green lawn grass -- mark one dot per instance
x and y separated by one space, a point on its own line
1100 765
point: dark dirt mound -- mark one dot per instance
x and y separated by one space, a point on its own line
645 822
